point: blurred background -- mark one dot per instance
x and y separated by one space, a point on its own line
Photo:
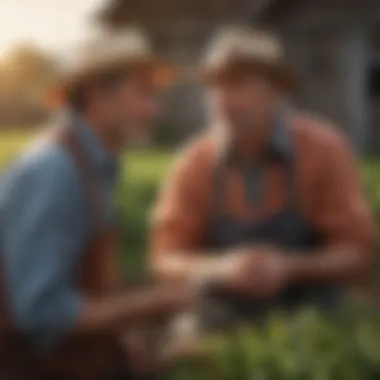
334 46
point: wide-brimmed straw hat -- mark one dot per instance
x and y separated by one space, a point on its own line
106 52
238 51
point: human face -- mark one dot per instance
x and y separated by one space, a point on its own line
246 104
127 109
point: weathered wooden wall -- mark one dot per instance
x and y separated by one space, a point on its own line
329 43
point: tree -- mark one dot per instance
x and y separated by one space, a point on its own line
25 73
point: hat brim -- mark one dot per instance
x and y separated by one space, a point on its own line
279 73
150 69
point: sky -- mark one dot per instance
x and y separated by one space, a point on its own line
55 25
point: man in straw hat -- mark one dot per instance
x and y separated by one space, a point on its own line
267 203
62 305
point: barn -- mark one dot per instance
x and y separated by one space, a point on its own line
334 45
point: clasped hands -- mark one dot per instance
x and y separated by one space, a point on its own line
255 272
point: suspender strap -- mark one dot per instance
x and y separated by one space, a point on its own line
220 181
90 179
291 186
218 187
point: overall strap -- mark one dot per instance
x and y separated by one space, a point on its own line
291 186
98 271
218 186
221 168
91 182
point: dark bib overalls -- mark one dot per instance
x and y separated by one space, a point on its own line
286 229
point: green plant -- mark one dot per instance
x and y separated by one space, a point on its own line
344 345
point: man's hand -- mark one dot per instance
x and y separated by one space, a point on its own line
260 274
178 296
143 345
152 303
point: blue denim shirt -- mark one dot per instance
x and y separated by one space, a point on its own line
44 230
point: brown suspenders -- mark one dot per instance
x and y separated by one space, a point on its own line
100 270
89 178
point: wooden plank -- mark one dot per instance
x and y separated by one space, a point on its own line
150 11
314 15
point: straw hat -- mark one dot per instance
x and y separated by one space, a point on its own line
108 52
238 51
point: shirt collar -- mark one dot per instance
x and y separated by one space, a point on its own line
103 161
279 145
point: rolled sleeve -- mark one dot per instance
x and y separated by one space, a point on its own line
39 237
342 214
180 213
